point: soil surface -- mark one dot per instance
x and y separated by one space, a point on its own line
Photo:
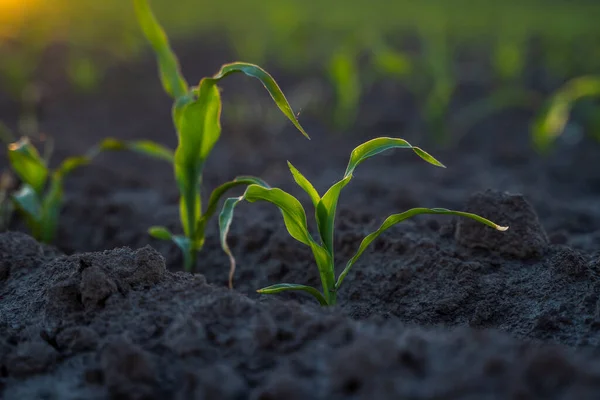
438 308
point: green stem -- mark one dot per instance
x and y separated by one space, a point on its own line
189 259
332 297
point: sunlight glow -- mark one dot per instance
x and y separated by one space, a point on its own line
13 14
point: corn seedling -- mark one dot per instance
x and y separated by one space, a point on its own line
39 198
196 116
343 72
294 218
551 121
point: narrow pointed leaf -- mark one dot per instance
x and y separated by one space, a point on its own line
293 213
225 218
160 232
282 287
550 123
170 74
378 145
268 82
27 164
325 213
216 195
305 185
199 129
52 202
145 147
397 218
28 201
70 164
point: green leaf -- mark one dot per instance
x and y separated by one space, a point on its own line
28 201
325 213
70 164
391 62
216 195
344 75
268 82
294 219
160 232
51 205
52 201
397 218
293 213
378 145
305 185
225 218
551 121
282 287
199 129
145 147
28 165
170 72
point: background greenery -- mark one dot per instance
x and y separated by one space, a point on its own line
329 35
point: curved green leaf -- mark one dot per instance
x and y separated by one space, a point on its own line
160 232
28 201
293 213
28 165
294 218
305 185
69 164
397 218
381 144
170 72
325 212
216 195
145 147
225 218
268 82
551 122
199 129
391 62
282 287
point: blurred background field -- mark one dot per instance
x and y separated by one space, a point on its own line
501 53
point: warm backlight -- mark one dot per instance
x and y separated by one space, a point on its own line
13 14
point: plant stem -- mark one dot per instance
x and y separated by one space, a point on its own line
332 297
189 260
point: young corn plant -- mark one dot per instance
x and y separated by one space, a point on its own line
39 198
550 123
196 116
325 206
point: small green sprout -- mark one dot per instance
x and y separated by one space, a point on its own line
196 116
551 121
294 218
39 198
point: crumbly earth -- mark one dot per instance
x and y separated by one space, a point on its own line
438 308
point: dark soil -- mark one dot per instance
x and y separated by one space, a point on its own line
438 308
